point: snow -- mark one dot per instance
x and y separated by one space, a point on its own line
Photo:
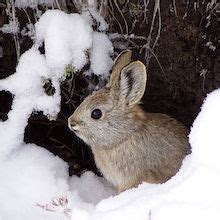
205 133
66 38
35 183
210 46
92 9
88 183
28 30
69 38
101 61
12 27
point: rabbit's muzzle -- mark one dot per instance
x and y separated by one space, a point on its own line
73 124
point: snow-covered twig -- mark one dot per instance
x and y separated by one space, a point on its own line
57 205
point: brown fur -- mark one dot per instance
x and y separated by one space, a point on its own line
129 145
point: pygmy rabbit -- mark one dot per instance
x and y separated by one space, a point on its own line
129 145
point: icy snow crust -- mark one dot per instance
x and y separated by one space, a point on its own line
34 184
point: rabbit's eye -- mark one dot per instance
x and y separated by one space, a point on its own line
96 114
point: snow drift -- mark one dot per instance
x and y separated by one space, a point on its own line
35 184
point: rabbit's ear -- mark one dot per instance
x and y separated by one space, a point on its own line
122 60
132 83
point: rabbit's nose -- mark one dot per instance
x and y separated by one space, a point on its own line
72 123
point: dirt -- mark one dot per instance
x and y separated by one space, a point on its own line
179 90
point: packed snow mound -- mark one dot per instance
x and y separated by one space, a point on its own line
26 86
70 39
205 133
66 38
35 183
102 49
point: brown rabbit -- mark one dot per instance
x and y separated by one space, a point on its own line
129 145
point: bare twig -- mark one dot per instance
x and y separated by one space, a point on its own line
122 15
159 25
146 3
27 15
111 10
16 40
147 45
58 5
174 7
